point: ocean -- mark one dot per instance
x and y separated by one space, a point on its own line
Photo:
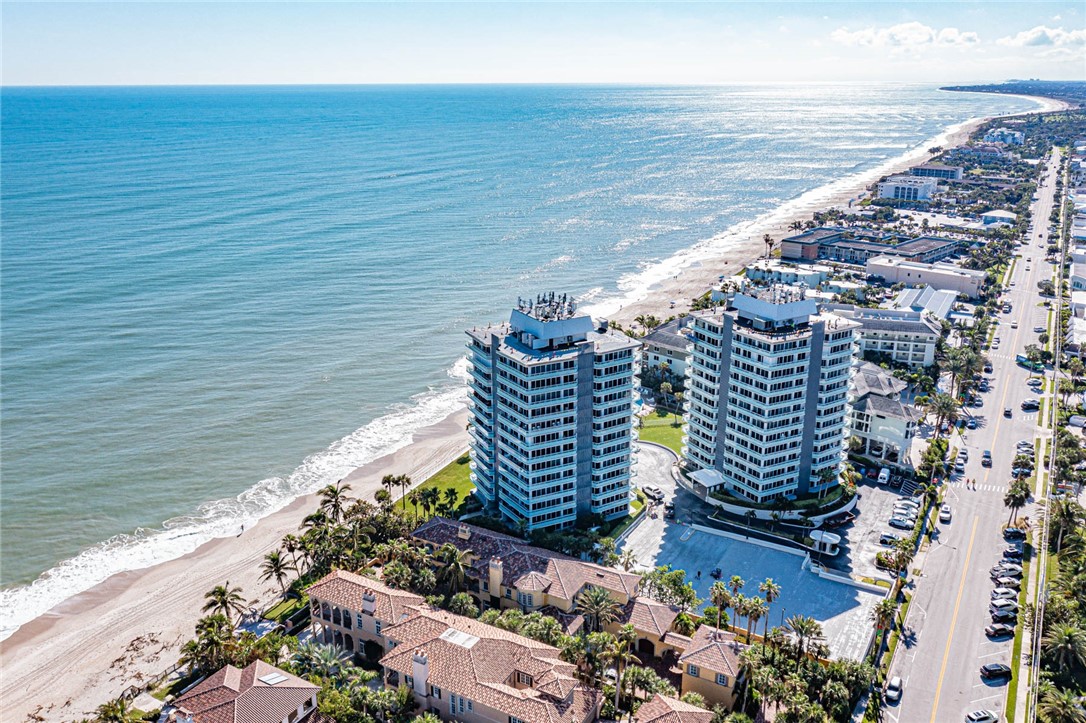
218 299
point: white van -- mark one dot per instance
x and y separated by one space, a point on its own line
884 476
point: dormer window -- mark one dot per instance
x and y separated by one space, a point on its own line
524 679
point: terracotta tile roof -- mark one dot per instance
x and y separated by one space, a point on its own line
714 650
566 575
648 615
480 662
346 589
671 710
233 695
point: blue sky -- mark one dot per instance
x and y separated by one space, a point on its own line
94 43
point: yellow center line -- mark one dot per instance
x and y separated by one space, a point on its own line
954 620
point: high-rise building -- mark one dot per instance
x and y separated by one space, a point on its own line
551 415
767 395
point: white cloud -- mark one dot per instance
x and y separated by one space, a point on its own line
904 35
1042 36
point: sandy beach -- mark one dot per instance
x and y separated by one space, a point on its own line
87 650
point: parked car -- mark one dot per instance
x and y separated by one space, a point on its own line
999 630
1008 568
1007 412
1005 616
959 468
991 671
971 423
1014 533
1004 593
944 513
902 523
1030 405
1039 329
1012 553
997 606
888 539
963 455
1014 324
894 689
1035 382
908 503
982 716
669 510
1008 582
988 368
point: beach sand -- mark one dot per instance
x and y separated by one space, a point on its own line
129 628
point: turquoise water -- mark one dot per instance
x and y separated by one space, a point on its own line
216 299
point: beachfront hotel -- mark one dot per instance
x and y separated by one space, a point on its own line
551 415
766 397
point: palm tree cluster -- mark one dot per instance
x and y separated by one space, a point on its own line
784 672
1063 630
217 644
345 695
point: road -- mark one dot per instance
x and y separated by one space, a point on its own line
945 643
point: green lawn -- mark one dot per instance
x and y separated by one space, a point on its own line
454 475
285 608
666 430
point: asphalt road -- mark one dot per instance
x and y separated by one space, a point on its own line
944 644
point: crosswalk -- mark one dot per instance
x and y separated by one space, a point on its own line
980 487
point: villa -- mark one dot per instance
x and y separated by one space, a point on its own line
881 426
257 693
711 666
662 709
461 669
348 609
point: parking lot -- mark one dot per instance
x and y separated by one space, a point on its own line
843 610
860 538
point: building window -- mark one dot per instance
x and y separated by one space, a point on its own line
377 626
514 719
435 691
486 586
721 679
524 678
360 625
692 670
409 681
509 593
458 703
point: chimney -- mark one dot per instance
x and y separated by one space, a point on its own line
420 671
495 575
464 532
369 602
604 326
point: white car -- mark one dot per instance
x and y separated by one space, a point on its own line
944 513
982 716
907 503
1004 593
1039 329
653 492
1003 606
894 689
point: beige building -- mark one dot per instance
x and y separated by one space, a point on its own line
937 275
349 609
881 426
257 693
710 665
461 669
662 709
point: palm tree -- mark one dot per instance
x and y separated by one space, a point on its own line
431 496
119 710
628 560
405 484
598 607
756 610
389 481
883 614
327 661
721 597
1058 705
618 653
1065 515
415 497
1016 498
946 409
772 591
807 631
225 600
741 606
769 244
735 584
275 567
1065 644
455 564
334 499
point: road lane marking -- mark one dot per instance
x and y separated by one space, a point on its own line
954 619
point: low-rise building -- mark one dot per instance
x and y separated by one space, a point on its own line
854 247
903 336
805 246
1074 343
1078 303
938 275
937 302
461 669
938 170
662 709
1005 135
908 188
989 218
1077 277
666 344
257 693
980 153
777 271
711 666
349 609
881 426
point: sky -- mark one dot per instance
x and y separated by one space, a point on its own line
165 43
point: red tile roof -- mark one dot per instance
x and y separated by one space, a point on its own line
671 710
650 616
346 589
480 662
563 576
233 695
714 650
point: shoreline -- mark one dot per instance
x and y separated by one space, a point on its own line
88 648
